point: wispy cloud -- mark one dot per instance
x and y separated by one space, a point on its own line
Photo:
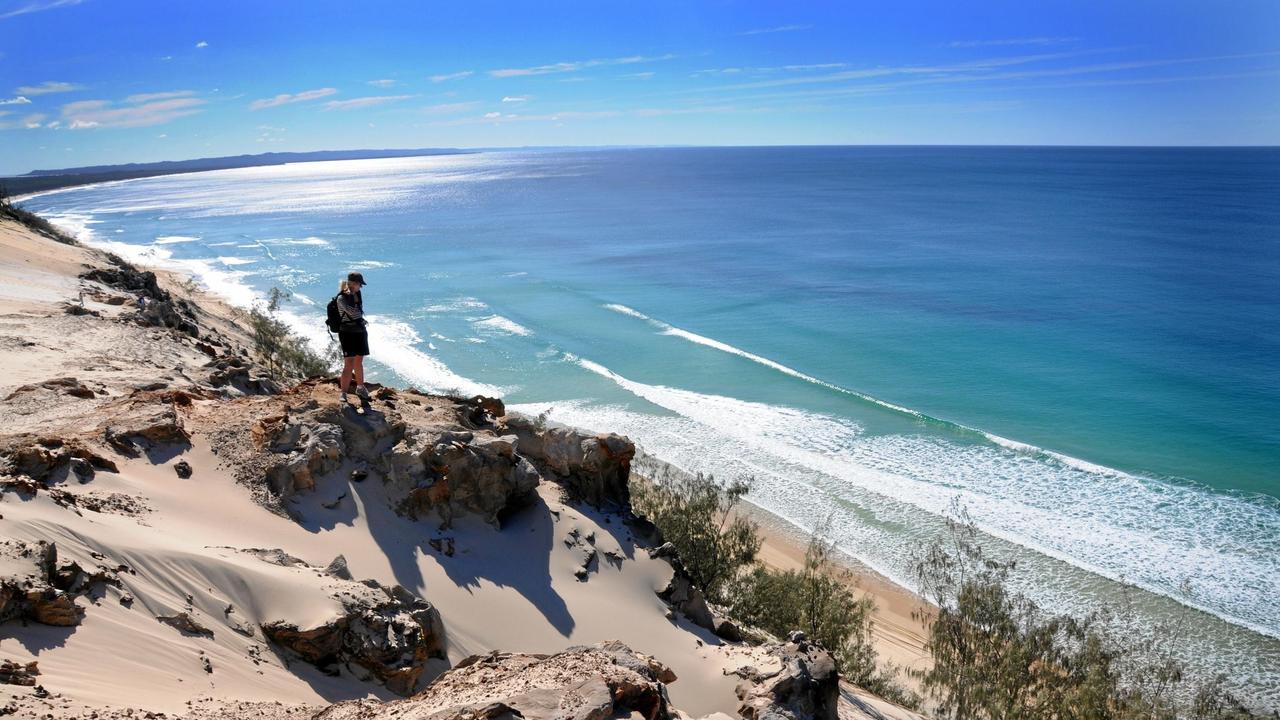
515 98
364 102
1012 41
47 87
563 67
135 111
287 98
384 83
151 97
38 6
30 122
778 29
766 70
450 108
452 76
20 100
639 75
202 44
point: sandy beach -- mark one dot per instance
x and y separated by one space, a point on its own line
144 440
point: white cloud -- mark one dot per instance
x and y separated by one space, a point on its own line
1012 41
38 6
135 111
149 97
384 83
33 122
449 108
363 102
167 58
452 76
563 67
515 98
492 115
778 29
202 44
640 75
20 100
287 98
48 86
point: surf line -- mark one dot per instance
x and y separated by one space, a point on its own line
1010 445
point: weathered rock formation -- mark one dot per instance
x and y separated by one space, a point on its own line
594 468
595 682
388 633
29 582
804 686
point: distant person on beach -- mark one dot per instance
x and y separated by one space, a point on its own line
353 336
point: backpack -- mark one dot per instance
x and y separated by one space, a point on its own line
334 319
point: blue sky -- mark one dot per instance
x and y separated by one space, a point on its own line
108 81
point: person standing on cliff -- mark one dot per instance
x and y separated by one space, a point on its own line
353 335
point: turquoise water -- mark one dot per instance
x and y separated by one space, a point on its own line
1079 344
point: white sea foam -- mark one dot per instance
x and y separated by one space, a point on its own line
370 265
224 243
318 242
233 261
175 239
1219 553
496 324
455 305
394 342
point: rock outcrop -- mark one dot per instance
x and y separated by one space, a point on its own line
804 686
388 633
594 468
595 682
29 580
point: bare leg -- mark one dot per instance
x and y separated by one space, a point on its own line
348 365
359 369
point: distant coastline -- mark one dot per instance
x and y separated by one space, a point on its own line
45 180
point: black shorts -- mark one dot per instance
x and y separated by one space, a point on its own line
354 342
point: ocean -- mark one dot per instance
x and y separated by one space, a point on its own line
1079 346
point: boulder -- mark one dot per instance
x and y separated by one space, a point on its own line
595 682
145 424
390 633
806 685
594 468
481 474
28 585
43 459
308 450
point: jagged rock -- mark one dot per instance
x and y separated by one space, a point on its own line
309 450
359 475
442 545
480 411
805 687
389 632
185 624
680 593
461 470
338 568
594 468
726 628
68 385
596 682
143 425
12 673
27 586
183 469
40 459
235 373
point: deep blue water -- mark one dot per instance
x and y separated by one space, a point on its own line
1080 344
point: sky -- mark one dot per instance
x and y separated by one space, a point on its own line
86 82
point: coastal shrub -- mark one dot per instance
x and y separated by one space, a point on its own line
285 355
997 656
31 220
818 599
696 514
